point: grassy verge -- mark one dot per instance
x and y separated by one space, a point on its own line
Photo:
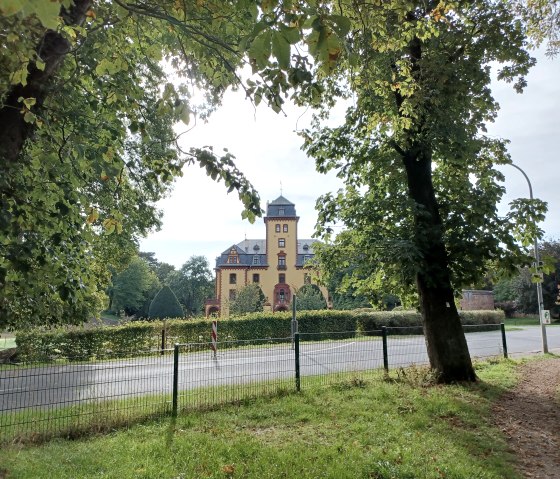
354 427
528 321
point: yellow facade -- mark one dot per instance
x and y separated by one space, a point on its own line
277 263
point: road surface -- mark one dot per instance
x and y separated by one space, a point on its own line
70 384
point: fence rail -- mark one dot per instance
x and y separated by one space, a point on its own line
40 400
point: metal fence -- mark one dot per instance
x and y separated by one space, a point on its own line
38 401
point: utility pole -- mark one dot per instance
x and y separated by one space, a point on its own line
537 266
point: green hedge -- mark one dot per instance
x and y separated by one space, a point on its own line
140 337
374 320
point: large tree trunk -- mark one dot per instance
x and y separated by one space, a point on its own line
445 339
52 49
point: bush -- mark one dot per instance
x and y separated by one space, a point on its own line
80 344
374 320
508 307
310 298
165 305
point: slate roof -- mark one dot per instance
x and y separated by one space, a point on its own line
252 252
281 207
251 257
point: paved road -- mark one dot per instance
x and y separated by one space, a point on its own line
65 385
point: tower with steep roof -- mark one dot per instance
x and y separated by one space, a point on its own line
277 263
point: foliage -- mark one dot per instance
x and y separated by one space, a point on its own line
249 299
420 179
520 288
543 21
83 344
87 111
133 288
140 337
508 307
505 290
393 101
374 320
165 305
347 293
192 284
309 297
162 270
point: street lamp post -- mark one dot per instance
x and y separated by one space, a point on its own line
537 263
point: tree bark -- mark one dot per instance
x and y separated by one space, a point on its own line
445 340
52 49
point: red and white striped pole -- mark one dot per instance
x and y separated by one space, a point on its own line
214 337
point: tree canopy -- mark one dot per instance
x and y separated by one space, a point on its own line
309 297
420 178
90 91
133 289
192 284
249 299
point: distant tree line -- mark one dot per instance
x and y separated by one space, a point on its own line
133 290
518 293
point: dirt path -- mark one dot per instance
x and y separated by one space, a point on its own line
529 416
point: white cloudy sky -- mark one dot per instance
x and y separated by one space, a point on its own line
201 219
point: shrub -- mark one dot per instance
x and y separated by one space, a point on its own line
250 299
139 337
508 307
310 298
165 305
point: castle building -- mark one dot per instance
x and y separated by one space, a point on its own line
277 263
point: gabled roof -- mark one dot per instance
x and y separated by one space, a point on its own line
235 247
244 258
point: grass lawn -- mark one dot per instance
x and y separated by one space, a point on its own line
7 341
355 428
527 321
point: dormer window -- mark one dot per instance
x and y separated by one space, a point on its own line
256 247
305 247
281 211
256 259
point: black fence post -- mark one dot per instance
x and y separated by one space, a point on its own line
504 342
294 323
296 349
385 349
163 341
175 378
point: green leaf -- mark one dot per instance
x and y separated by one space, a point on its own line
29 117
29 102
46 11
9 7
341 25
184 112
291 34
261 48
281 49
